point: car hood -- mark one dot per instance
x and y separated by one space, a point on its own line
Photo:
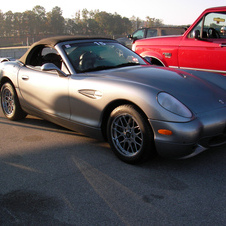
196 92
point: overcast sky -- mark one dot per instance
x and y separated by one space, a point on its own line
175 12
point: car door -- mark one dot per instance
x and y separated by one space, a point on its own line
205 46
45 92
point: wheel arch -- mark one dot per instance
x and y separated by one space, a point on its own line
156 58
110 107
14 112
5 80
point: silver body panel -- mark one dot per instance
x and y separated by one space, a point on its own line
80 101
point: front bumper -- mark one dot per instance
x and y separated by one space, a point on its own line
190 138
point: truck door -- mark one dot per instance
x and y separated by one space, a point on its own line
205 46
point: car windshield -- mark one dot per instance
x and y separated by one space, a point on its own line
96 56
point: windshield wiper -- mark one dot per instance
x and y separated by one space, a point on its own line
110 67
127 64
98 68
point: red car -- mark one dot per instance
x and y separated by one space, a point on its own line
201 47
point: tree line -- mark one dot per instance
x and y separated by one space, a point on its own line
39 22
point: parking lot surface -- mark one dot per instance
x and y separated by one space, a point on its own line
53 176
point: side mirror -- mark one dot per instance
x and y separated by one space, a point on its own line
197 34
53 67
148 59
132 38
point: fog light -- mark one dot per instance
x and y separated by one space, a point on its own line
165 132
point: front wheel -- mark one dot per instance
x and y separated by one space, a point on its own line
130 135
10 103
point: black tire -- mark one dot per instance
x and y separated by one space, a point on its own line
10 103
130 136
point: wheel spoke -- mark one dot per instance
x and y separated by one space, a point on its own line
117 130
120 138
124 121
132 148
7 101
126 135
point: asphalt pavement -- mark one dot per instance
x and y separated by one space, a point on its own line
53 176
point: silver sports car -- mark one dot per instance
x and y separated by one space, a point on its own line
102 89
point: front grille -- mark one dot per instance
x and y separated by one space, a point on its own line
213 141
218 140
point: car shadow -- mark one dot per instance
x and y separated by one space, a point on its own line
71 178
40 124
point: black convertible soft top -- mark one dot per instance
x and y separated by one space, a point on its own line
52 41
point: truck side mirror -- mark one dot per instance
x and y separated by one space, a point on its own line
197 34
132 38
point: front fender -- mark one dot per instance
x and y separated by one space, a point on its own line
9 70
5 59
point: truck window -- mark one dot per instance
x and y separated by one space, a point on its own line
139 34
196 31
214 24
214 27
152 33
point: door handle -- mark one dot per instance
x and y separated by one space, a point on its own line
223 45
25 77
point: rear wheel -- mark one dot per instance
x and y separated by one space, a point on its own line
130 135
10 103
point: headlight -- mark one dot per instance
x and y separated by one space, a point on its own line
173 105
